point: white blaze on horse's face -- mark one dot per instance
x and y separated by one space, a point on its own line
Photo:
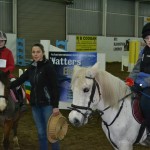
82 89
80 98
2 99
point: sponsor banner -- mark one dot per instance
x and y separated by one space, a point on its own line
64 63
86 43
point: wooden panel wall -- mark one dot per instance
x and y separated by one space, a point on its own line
40 20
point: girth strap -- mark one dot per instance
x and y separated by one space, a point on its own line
141 131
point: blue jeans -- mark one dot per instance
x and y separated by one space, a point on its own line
41 116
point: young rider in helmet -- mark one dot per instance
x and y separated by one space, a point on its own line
6 56
141 76
7 64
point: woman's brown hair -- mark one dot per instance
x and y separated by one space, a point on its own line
41 47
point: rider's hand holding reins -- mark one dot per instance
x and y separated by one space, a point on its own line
133 86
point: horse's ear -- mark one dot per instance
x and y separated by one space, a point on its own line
76 68
91 72
96 66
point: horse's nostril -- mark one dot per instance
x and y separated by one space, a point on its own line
76 122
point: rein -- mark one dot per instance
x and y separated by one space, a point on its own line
122 99
5 96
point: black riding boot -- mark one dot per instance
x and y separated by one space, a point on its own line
146 142
147 124
145 108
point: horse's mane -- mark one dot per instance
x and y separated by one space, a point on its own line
112 88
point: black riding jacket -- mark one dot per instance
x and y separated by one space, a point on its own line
44 85
145 63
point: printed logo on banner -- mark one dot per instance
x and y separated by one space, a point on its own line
86 43
64 63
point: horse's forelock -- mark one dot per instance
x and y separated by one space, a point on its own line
80 75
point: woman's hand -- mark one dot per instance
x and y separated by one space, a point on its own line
56 111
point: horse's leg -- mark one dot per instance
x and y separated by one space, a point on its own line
15 138
15 127
7 128
2 140
125 145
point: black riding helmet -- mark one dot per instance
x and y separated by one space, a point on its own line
3 36
146 30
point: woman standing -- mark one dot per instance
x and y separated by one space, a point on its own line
44 96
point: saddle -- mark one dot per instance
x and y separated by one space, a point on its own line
136 110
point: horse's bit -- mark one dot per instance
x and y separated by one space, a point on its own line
78 108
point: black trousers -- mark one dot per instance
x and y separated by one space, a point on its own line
145 106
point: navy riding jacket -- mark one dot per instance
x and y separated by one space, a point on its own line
141 70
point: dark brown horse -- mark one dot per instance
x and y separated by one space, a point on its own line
9 113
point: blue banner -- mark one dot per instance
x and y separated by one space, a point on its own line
64 63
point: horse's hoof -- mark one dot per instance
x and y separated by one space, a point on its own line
146 142
16 148
16 143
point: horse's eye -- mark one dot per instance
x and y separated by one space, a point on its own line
85 90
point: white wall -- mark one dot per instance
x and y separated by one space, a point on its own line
104 45
107 45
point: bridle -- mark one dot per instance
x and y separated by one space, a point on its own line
2 96
79 108
6 99
101 112
5 95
